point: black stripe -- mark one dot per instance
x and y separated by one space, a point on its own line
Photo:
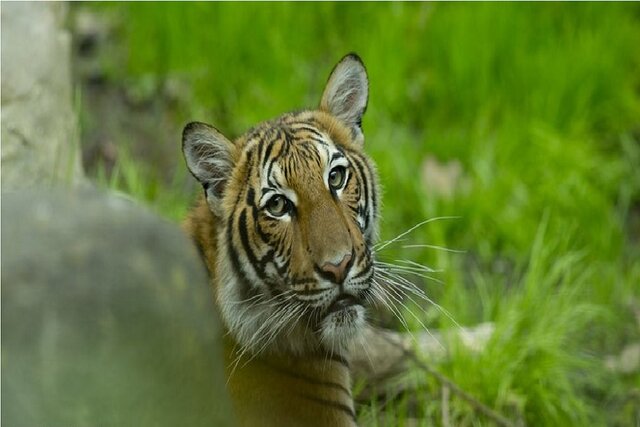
272 183
248 163
303 281
312 291
366 270
374 189
272 161
288 139
365 184
319 141
264 236
340 359
268 257
336 405
244 238
337 155
334 357
246 291
282 270
346 184
357 162
373 214
311 380
267 153
309 152
251 195
307 128
260 149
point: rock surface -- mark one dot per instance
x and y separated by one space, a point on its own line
39 138
107 317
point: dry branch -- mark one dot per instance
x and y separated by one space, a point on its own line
383 354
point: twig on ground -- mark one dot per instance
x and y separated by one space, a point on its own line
479 406
393 351
453 387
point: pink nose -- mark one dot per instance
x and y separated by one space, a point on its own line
339 271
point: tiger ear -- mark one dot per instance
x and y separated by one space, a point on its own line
208 155
347 91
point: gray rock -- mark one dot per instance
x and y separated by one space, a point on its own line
39 132
107 317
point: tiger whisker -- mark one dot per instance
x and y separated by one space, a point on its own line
289 302
415 273
406 307
253 354
420 224
386 241
393 309
400 281
363 344
329 355
281 312
297 312
407 268
245 301
440 248
302 312
418 266
242 352
391 304
398 299
249 305
406 284
398 295
370 300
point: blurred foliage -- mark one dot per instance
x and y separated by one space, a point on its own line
540 106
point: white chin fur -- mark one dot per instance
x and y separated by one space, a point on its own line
340 328
251 323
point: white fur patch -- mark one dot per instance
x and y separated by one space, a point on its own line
341 327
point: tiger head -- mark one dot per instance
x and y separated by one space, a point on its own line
295 200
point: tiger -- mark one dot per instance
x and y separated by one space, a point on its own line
286 227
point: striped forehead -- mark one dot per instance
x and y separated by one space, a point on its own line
295 160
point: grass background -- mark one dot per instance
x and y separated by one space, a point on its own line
537 104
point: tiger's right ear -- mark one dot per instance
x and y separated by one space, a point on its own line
347 92
208 155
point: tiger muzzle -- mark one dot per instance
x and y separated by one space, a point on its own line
337 272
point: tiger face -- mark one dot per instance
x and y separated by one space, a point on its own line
296 203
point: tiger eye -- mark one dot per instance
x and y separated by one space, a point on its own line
278 205
337 177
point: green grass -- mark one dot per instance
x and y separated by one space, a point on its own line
540 105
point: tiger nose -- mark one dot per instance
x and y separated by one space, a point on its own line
337 272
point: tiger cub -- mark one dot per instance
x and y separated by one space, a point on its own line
286 227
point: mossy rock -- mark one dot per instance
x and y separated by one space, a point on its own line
107 317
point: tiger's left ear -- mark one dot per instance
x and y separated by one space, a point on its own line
347 92
209 157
